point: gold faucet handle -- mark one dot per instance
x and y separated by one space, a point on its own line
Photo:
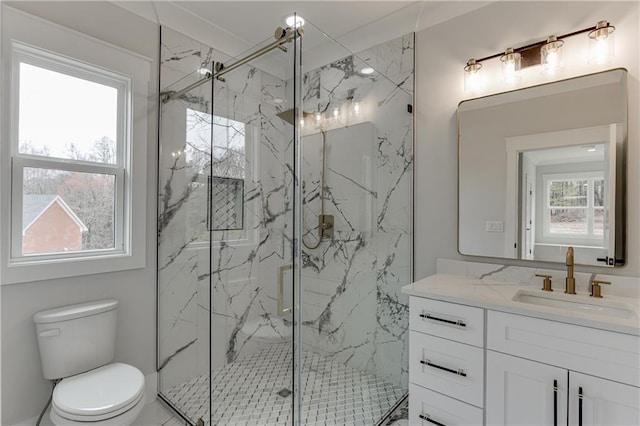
596 291
546 283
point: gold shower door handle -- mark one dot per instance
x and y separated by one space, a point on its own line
280 298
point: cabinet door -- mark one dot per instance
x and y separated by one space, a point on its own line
604 402
523 392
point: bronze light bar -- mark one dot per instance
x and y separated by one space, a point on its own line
531 52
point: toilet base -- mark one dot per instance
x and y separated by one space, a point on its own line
125 419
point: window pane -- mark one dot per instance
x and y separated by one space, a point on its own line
67 211
66 117
598 192
198 142
228 148
598 221
568 193
568 221
229 153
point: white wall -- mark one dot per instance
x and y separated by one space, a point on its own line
24 391
441 53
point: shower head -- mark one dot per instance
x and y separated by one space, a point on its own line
288 115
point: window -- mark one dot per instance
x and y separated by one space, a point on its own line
73 153
68 157
574 207
229 166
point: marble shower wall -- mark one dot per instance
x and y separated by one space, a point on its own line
240 285
353 309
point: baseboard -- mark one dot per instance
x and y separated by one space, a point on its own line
151 386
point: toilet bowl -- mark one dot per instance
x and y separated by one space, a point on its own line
109 395
77 345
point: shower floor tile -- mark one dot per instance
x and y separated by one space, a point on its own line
253 391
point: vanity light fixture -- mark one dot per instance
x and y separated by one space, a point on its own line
548 53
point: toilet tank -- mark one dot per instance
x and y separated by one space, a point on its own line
76 338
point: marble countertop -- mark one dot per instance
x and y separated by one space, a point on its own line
499 296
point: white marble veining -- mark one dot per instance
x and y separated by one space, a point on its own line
496 286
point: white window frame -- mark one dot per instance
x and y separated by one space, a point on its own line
42 59
589 239
78 53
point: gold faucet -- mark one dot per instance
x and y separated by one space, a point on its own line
570 281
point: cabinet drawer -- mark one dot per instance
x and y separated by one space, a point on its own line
461 323
451 368
601 353
424 404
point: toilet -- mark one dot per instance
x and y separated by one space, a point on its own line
77 345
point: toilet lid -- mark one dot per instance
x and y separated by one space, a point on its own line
101 393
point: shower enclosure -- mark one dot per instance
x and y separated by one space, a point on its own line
284 230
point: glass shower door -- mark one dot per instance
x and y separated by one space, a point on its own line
226 194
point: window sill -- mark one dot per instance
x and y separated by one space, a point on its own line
22 271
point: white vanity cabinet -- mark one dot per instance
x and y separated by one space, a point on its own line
542 366
475 365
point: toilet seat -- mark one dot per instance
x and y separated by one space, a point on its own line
99 394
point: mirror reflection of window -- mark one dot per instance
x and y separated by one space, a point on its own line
574 208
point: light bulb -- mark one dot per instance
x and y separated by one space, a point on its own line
356 108
336 113
510 66
551 55
473 81
601 43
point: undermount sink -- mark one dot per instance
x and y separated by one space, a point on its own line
576 303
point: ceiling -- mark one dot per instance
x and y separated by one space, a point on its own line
235 27
253 21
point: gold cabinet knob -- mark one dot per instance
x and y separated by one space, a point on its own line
596 291
546 282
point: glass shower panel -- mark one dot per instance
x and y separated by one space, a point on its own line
357 174
184 340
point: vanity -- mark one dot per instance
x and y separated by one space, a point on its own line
489 347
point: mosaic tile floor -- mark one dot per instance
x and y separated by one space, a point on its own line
246 392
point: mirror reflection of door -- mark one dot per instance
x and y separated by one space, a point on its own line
565 179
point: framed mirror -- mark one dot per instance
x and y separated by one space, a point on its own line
543 168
